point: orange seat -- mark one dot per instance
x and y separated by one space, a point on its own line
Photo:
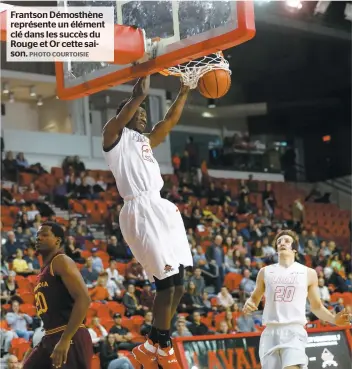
4 325
28 298
95 362
28 309
32 279
107 323
137 322
19 346
115 307
103 311
232 281
127 323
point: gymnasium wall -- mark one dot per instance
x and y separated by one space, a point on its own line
53 116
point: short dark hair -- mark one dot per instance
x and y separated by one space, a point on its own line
56 229
121 105
290 233
124 102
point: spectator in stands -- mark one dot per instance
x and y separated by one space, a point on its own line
97 333
11 246
31 194
90 276
192 301
123 336
131 302
311 249
96 260
12 362
214 195
337 281
100 185
181 330
71 185
269 251
323 291
61 195
206 302
100 292
269 200
109 356
10 166
197 328
339 305
223 328
198 281
147 296
298 214
5 340
199 255
247 285
225 300
147 325
225 195
20 265
114 275
215 253
135 273
10 284
347 263
244 206
257 251
245 323
230 321
230 265
84 191
19 321
78 165
240 246
73 251
117 250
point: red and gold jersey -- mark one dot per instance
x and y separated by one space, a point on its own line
53 301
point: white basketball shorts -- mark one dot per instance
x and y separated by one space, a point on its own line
154 230
283 346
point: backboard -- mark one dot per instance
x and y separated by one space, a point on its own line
186 29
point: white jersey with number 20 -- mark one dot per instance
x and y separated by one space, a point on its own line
285 294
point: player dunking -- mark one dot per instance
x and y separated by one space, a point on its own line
286 286
62 302
151 226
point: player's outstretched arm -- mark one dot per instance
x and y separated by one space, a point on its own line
318 308
66 269
162 129
256 296
114 127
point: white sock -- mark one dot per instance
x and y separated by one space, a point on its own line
149 347
163 353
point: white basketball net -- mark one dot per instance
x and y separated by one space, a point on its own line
191 72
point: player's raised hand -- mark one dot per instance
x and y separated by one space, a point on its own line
141 88
249 307
343 318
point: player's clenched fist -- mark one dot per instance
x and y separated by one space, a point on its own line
249 306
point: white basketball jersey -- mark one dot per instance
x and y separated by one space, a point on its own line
285 294
133 165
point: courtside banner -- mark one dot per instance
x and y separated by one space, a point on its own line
327 348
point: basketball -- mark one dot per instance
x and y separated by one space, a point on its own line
214 84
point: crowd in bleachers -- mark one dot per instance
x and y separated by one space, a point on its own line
230 225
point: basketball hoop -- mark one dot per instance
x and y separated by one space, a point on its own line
191 72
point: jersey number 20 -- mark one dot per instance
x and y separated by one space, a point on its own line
40 303
284 293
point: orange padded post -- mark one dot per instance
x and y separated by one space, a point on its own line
129 44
